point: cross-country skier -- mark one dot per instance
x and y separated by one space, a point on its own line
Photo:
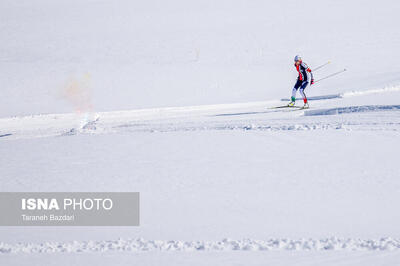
302 80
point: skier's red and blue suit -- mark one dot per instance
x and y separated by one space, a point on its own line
302 80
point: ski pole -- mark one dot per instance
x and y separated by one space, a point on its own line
331 75
321 66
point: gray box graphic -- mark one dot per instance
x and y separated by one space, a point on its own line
69 208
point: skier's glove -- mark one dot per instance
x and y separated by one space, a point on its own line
312 82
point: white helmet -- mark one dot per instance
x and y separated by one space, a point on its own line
297 58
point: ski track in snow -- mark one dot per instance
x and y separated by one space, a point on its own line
240 116
370 91
141 245
352 109
349 94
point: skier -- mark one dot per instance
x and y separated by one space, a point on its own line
302 80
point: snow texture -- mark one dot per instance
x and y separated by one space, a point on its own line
176 99
141 245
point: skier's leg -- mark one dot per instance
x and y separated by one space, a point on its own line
303 95
294 91
302 88
293 98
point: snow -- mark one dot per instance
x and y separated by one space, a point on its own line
241 116
178 190
330 258
175 99
138 54
141 245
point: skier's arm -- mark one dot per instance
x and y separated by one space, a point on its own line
311 74
312 77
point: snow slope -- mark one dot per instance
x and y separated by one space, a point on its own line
246 116
269 179
135 54
175 99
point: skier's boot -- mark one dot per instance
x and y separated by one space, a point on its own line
306 106
292 102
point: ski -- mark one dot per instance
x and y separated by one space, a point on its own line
290 108
300 108
284 106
